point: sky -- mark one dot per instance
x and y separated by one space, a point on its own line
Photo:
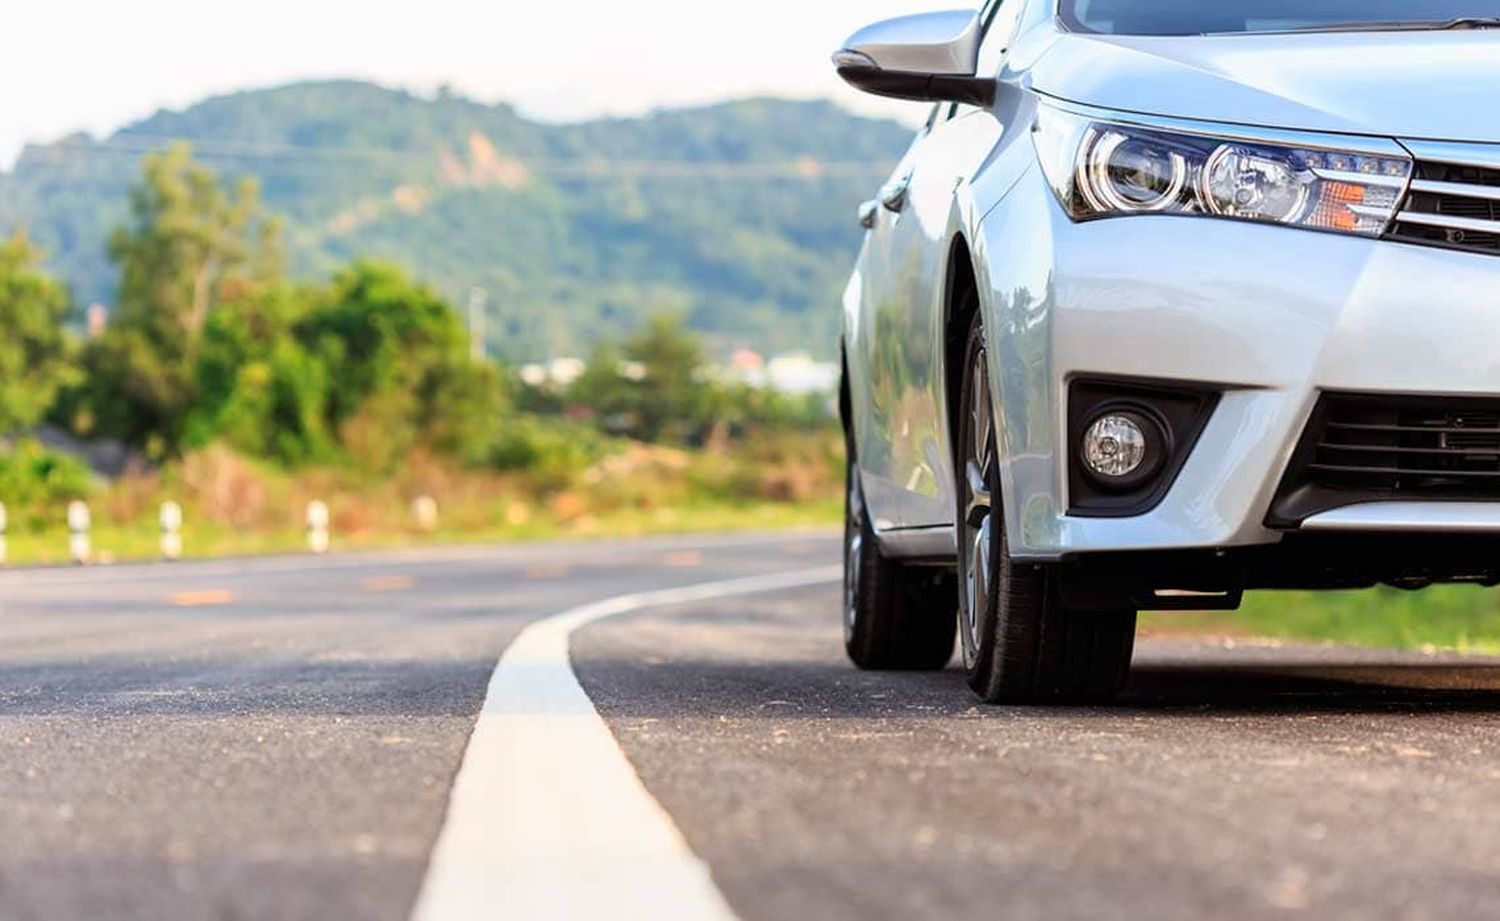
96 65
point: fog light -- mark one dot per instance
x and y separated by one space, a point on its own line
1117 445
1128 441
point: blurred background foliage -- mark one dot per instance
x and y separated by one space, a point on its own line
37 357
224 382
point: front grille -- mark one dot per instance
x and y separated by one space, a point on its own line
1365 448
1452 205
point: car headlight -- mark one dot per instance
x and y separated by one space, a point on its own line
1103 168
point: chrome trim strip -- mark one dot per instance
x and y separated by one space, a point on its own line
1341 143
1411 517
1448 221
1462 154
1380 179
1456 189
1374 211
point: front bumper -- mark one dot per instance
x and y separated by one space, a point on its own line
1270 316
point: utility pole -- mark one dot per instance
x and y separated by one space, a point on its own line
477 298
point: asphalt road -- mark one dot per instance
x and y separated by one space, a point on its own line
278 739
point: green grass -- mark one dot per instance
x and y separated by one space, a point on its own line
1455 617
118 544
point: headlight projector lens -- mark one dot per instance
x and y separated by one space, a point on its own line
1134 174
1238 182
1122 448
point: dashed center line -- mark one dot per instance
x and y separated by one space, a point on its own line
542 573
203 599
548 819
387 584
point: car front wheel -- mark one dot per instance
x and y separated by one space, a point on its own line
1020 643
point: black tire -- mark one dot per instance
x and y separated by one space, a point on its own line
896 617
1020 643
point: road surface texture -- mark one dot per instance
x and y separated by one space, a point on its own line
278 739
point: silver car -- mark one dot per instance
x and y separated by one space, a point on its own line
1168 300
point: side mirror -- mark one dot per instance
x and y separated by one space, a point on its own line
930 57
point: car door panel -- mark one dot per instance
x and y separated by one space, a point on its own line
902 301
959 148
877 375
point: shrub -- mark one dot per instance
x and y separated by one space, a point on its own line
553 451
36 484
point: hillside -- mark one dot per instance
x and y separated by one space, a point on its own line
738 215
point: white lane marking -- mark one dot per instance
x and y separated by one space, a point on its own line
547 818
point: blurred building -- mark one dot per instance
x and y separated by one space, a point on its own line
559 372
97 319
801 374
796 374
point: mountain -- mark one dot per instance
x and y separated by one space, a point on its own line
739 215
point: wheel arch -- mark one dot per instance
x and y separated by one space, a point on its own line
846 399
960 303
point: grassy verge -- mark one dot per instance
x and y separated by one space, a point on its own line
237 506
1457 617
120 544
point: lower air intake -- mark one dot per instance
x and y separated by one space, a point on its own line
1360 448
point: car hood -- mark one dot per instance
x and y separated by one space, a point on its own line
1420 85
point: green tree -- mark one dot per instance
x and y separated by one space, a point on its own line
604 390
190 245
259 388
399 369
674 399
36 359
653 386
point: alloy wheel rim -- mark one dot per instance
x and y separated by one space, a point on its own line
979 467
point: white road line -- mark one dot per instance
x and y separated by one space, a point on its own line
547 818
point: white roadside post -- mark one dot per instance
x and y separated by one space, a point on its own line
79 522
171 530
317 526
4 528
425 510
